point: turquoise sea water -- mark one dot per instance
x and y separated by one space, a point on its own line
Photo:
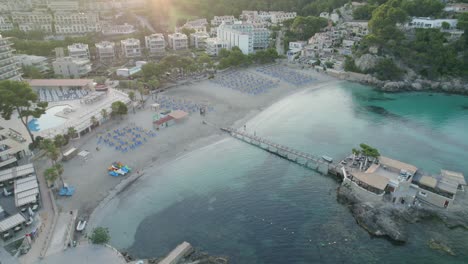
232 199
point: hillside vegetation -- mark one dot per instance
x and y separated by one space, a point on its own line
427 52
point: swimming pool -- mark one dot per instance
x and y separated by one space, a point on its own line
48 120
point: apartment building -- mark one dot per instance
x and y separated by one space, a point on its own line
5 23
108 29
130 48
426 22
9 69
198 40
78 51
155 43
199 25
247 36
63 5
105 50
76 22
214 45
276 17
35 20
69 67
178 41
218 20
39 62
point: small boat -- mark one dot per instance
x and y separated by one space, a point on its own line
81 225
327 159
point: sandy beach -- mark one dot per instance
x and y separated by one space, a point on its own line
231 109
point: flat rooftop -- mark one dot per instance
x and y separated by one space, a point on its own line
59 82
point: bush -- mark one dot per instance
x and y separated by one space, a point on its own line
100 236
386 69
350 66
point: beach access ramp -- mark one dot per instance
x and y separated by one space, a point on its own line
176 254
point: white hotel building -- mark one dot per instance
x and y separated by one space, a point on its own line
131 48
178 41
155 43
248 37
9 69
105 50
78 51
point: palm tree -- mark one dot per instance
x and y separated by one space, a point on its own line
131 95
59 141
59 169
51 174
50 149
94 121
104 114
141 89
71 132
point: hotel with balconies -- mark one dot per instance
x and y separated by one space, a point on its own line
9 69
155 43
130 48
105 50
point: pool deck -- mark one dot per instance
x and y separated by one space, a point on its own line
80 116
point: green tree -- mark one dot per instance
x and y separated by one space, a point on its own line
119 108
187 31
71 132
100 80
445 25
383 24
32 72
131 95
51 174
60 141
153 83
51 150
387 70
141 90
422 8
100 235
18 97
59 169
364 12
104 114
94 121
369 151
350 65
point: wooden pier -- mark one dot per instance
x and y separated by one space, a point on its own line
304 159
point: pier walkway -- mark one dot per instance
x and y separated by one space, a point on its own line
305 159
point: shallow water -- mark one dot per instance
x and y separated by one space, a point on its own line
232 199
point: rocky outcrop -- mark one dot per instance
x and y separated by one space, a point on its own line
366 62
455 86
376 218
438 245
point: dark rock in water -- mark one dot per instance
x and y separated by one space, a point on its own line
204 258
437 245
377 220
464 107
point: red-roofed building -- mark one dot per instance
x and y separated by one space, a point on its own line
164 122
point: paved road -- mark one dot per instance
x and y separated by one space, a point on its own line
84 254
